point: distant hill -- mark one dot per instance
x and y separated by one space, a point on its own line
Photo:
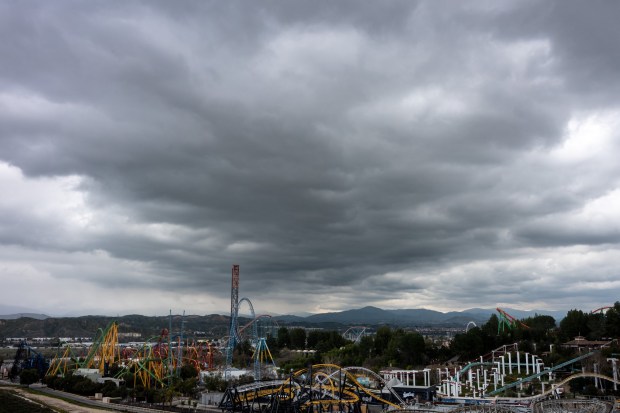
405 317
289 318
412 317
20 315
139 327
135 327
11 312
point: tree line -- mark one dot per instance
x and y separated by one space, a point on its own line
398 347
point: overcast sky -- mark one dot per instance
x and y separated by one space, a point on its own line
435 154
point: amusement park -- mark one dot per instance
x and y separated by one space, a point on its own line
505 365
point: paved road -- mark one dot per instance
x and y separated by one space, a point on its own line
88 405
54 402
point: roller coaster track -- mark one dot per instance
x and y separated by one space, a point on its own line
468 324
260 385
483 408
149 363
472 365
541 404
566 380
544 406
574 406
104 351
500 350
379 380
328 385
318 385
254 324
347 371
577 376
537 375
62 363
354 334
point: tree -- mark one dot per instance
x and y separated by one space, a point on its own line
382 340
108 388
245 351
324 341
597 325
188 387
469 345
272 343
215 383
28 376
365 347
540 322
612 324
540 327
412 349
574 324
298 338
348 355
491 326
167 395
284 339
188 371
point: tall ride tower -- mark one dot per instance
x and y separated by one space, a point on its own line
234 312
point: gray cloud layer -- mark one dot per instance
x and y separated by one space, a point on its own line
424 154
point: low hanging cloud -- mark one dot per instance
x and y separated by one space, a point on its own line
402 155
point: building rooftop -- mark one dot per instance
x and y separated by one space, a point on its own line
582 342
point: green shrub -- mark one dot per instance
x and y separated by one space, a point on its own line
29 376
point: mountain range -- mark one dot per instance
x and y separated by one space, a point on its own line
24 315
413 317
216 325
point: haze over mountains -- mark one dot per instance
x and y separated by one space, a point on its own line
373 315
22 324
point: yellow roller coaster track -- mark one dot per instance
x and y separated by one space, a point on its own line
327 379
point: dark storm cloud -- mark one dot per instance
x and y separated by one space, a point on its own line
582 37
352 150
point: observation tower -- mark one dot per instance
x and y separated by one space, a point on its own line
234 313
